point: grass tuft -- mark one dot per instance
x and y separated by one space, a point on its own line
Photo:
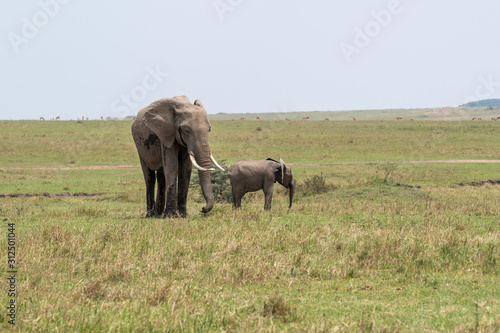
94 290
278 308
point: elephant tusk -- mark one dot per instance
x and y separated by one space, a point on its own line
191 156
216 164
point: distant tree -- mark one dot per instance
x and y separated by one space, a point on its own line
483 103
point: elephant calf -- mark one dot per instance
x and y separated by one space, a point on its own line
250 176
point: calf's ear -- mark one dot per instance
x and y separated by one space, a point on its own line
283 167
198 102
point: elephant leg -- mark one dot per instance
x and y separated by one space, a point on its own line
268 192
185 167
171 169
149 178
160 196
237 195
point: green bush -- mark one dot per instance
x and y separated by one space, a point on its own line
314 185
220 184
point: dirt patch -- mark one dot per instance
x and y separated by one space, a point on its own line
481 183
409 186
85 167
397 162
51 195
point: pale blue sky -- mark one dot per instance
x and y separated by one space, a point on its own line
72 58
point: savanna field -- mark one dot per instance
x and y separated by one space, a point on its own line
394 247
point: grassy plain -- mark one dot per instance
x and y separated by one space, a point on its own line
355 253
436 114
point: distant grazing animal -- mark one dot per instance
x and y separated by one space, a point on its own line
87 118
42 118
305 118
83 118
242 118
474 118
251 175
354 118
327 119
498 118
258 118
479 118
58 118
495 119
287 119
411 119
102 118
399 118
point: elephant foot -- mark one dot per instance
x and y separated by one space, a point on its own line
151 215
170 214
183 214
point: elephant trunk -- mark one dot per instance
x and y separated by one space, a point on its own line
206 188
291 189
202 159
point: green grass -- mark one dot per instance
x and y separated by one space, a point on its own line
355 253
312 142
65 143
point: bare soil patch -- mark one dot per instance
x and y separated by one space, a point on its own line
481 183
51 195
409 186
398 162
84 167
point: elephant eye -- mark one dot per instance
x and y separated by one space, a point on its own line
184 129
182 132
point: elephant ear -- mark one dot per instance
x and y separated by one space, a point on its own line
198 102
283 167
160 118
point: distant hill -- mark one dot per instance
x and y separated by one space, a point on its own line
482 103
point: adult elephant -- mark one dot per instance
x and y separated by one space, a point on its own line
171 136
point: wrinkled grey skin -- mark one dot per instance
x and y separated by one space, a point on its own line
253 175
165 132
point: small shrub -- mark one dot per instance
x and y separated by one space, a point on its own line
220 184
386 171
314 185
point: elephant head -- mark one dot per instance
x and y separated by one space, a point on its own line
287 180
176 120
